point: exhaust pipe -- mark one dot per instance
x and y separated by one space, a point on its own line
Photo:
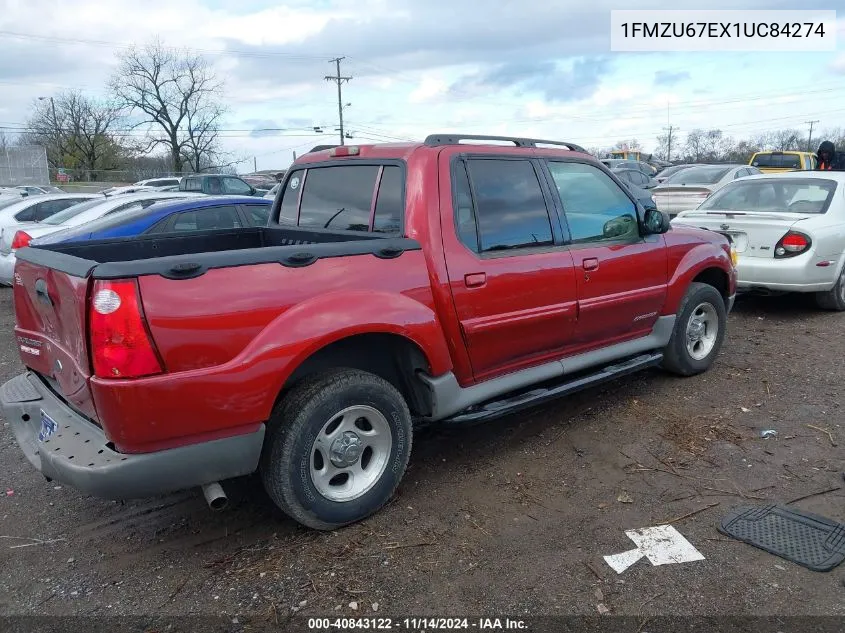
215 497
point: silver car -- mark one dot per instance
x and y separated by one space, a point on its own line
688 188
788 230
14 236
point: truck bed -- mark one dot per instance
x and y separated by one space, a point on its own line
187 256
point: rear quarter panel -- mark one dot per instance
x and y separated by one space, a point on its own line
230 338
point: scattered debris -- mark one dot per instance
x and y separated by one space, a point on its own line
598 594
694 512
603 610
661 545
745 409
829 434
10 492
767 433
71 560
303 603
375 606
353 605
624 497
814 494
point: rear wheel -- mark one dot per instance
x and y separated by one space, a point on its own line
338 446
833 299
699 331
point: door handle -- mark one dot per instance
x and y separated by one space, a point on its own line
474 280
591 263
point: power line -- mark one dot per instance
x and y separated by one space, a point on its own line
338 79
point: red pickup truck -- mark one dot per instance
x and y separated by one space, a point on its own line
395 284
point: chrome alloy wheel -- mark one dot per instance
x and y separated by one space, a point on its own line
350 453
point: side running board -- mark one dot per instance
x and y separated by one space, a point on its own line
507 405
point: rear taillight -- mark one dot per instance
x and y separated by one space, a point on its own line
21 239
121 345
792 244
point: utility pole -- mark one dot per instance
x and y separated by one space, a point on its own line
670 130
338 79
810 138
254 164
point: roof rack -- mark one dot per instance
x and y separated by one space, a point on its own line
434 140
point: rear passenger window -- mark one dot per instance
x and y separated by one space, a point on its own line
259 213
338 197
27 215
596 208
509 205
389 207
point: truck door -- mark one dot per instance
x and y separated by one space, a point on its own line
511 277
621 276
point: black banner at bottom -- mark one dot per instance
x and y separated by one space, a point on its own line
419 624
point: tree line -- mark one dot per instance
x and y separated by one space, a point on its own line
161 113
714 146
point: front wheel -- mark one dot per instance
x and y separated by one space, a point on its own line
338 445
833 299
699 331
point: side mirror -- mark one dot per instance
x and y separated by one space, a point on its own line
656 222
618 227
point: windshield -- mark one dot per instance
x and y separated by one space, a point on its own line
806 195
63 216
698 176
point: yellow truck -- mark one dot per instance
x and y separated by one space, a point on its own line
772 162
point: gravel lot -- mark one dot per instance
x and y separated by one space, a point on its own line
509 518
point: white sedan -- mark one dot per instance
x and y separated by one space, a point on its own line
788 230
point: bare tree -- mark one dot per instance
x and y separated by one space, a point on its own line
784 140
77 131
177 97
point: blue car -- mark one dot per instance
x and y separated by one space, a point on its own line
171 217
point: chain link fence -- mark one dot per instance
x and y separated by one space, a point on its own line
25 165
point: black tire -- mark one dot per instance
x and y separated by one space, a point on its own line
293 428
676 357
833 299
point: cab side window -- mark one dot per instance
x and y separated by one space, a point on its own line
596 209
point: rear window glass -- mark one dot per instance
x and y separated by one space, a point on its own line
338 197
341 198
698 176
67 214
792 161
192 184
811 195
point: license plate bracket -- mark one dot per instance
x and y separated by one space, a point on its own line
48 427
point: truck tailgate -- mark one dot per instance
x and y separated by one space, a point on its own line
50 327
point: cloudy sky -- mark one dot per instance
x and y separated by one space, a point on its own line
528 68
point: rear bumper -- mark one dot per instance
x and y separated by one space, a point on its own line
798 274
7 268
79 455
